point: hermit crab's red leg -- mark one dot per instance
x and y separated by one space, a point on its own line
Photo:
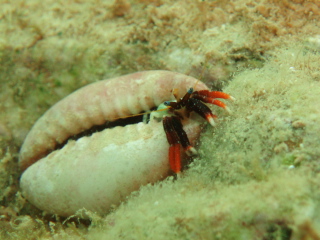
176 136
184 141
203 110
174 149
210 97
212 101
214 94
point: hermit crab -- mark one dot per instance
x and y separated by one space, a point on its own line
176 136
65 170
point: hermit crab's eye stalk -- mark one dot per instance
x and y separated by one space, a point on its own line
172 104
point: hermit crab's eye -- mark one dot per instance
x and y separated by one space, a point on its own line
190 90
167 103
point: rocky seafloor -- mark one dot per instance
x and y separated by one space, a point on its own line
257 173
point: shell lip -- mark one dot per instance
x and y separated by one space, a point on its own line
121 122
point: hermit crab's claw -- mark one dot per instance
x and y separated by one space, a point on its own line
176 137
203 110
210 97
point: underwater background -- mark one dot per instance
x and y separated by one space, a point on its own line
257 174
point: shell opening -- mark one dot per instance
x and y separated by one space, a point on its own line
121 122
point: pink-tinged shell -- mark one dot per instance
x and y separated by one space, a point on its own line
101 170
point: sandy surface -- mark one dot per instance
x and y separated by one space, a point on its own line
257 175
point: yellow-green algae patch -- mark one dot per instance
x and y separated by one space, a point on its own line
196 208
275 118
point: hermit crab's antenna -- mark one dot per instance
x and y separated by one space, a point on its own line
143 113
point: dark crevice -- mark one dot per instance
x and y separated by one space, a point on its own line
121 122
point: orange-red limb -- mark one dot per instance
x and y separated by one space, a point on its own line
210 118
217 102
175 158
214 94
173 140
211 100
190 151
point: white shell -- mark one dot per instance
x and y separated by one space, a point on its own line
99 171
